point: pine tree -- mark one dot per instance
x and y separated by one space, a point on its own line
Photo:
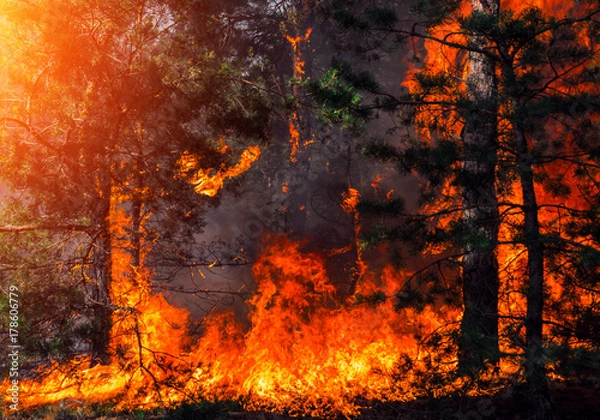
546 178
112 96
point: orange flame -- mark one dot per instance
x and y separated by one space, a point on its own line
349 204
299 63
294 136
443 59
206 184
141 321
307 351
295 42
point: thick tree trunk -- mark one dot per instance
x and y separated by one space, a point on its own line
479 327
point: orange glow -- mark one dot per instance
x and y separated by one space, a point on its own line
142 321
294 136
296 42
306 350
435 121
349 203
294 119
375 184
207 184
321 355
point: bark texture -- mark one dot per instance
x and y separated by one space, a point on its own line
101 274
479 327
534 358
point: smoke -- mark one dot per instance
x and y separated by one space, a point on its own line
301 196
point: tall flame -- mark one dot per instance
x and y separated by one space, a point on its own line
307 350
141 320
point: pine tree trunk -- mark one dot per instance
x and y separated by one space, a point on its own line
479 327
101 274
534 360
535 373
298 223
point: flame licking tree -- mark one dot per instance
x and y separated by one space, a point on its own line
496 104
119 133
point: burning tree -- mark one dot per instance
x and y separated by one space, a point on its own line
495 102
134 134
102 102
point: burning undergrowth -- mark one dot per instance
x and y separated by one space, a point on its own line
306 352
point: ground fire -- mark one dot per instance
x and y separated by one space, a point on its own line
307 343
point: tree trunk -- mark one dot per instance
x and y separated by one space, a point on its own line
535 373
300 124
534 360
479 327
101 274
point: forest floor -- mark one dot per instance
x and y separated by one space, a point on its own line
569 402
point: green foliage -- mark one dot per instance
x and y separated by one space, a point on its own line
337 95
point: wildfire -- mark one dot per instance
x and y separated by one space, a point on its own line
349 204
141 321
294 135
442 59
305 353
296 42
307 350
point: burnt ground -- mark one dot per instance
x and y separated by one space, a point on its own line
574 402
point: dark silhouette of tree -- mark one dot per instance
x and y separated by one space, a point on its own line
523 139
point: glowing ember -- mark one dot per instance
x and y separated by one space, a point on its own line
295 42
294 136
294 119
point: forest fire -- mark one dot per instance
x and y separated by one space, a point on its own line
307 351
487 279
299 63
